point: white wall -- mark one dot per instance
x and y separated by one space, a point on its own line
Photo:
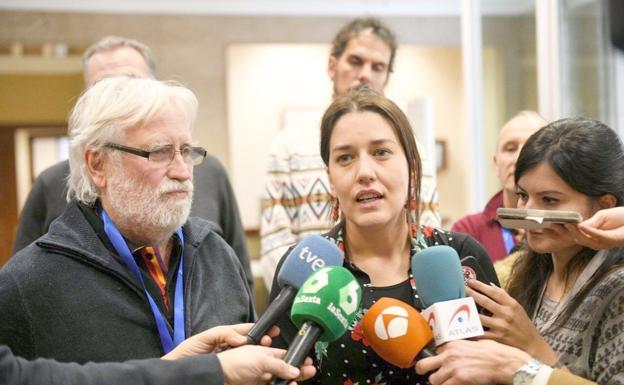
263 82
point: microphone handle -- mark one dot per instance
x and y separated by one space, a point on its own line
277 308
300 347
427 352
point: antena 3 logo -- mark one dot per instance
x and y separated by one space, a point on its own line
391 323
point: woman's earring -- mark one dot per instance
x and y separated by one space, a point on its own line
335 213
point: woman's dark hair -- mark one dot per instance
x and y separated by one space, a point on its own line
588 156
364 99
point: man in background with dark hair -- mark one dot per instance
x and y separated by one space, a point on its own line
297 200
214 198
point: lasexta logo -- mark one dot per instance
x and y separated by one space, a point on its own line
315 283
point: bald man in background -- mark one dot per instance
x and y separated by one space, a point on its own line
483 226
214 197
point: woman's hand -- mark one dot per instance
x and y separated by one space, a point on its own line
604 230
509 324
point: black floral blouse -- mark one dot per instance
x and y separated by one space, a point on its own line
350 360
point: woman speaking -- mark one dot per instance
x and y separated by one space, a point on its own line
374 172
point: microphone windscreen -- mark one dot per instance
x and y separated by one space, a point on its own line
438 275
311 254
330 298
396 331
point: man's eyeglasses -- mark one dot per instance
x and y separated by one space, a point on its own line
164 155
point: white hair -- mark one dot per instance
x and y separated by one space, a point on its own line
104 112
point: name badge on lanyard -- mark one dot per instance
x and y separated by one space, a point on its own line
167 341
508 239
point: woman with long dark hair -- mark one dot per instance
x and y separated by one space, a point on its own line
565 306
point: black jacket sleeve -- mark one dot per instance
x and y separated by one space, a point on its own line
190 371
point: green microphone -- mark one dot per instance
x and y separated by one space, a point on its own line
323 309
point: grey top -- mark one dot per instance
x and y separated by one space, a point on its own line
590 343
69 297
213 200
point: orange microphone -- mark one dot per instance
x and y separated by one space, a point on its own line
397 332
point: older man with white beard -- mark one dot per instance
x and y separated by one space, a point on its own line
124 273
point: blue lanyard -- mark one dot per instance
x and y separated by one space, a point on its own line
508 239
121 246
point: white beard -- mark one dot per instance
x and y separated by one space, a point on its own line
143 207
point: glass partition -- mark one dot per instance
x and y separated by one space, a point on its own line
509 71
587 60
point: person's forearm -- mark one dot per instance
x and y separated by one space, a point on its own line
513 360
204 370
563 377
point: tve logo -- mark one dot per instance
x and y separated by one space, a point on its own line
313 260
391 323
